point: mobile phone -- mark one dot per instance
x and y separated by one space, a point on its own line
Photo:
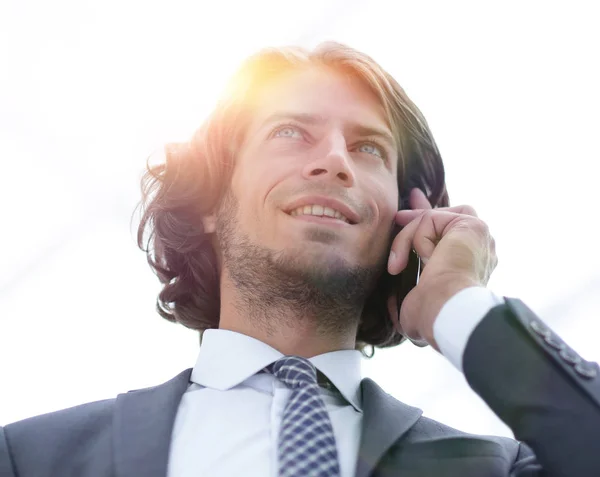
408 278
396 285
400 285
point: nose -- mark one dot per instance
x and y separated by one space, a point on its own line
332 162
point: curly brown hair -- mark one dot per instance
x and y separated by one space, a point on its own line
192 178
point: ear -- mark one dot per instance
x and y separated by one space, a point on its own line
209 222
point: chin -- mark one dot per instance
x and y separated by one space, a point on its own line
313 257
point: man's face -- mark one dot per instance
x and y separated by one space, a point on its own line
316 147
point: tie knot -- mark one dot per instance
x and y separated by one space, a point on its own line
294 371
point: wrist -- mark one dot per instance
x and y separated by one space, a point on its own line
440 292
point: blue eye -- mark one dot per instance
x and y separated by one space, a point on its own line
371 148
287 131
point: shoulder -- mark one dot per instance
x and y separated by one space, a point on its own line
433 448
71 427
86 421
79 440
56 439
428 433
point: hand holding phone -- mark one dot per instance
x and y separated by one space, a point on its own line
459 253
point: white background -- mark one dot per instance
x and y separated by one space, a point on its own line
89 89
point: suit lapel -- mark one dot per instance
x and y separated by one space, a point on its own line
144 419
143 423
385 420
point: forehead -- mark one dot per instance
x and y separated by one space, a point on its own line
328 93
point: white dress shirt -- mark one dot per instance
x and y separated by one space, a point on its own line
228 419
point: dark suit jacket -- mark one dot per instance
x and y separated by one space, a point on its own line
545 392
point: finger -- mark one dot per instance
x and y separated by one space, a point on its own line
405 216
418 200
401 246
431 229
422 234
460 209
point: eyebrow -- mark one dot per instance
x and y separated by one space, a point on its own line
316 119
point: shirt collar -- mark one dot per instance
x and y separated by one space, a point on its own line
227 358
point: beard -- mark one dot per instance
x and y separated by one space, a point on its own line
290 287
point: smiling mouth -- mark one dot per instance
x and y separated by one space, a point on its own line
319 214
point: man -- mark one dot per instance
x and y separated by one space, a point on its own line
275 234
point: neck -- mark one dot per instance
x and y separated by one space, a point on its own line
293 324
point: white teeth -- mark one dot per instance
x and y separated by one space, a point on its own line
319 211
328 212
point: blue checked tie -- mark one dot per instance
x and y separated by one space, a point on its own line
306 444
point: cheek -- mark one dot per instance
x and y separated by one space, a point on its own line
261 169
385 197
255 186
385 194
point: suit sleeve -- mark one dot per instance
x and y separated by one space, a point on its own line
6 466
544 391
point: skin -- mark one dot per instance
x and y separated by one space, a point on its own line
458 252
329 268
